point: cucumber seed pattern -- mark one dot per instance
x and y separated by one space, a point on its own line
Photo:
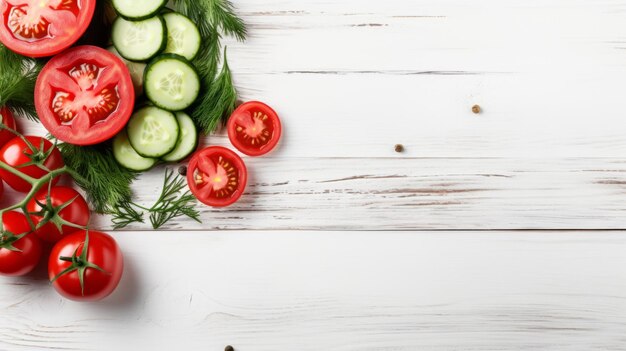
172 84
153 131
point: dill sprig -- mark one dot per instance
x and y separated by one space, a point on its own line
218 94
106 183
172 203
209 15
18 75
218 101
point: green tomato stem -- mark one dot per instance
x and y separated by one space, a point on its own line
36 185
17 173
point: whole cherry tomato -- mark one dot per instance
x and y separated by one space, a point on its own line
63 204
20 250
17 153
86 266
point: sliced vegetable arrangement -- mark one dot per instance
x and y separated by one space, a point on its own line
112 112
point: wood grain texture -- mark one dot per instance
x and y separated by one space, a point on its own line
351 79
341 291
405 194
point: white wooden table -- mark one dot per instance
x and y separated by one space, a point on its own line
496 231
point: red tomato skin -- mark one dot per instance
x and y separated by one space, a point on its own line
81 129
13 154
76 212
52 44
16 263
239 164
9 121
247 108
103 251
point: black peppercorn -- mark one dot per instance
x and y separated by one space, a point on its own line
399 148
182 170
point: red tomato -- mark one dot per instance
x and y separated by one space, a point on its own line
39 28
94 255
18 256
217 176
16 153
84 96
9 121
254 128
66 204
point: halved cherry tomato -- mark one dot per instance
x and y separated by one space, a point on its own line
65 204
16 153
86 266
9 121
217 176
84 96
40 28
18 255
254 128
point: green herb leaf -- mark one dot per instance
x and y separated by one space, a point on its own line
125 214
94 168
18 75
211 14
172 203
218 95
217 102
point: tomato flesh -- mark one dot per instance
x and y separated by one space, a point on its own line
254 128
77 212
85 95
39 28
18 263
16 153
9 121
217 176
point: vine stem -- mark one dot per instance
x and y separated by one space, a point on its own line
36 185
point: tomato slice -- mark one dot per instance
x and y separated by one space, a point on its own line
254 128
40 28
217 176
9 121
84 96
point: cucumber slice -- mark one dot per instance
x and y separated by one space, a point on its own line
153 132
187 140
136 70
183 37
138 9
127 157
171 82
139 40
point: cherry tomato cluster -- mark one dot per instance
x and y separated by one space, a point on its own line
83 265
216 175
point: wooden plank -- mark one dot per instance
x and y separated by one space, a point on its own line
409 194
354 78
341 291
